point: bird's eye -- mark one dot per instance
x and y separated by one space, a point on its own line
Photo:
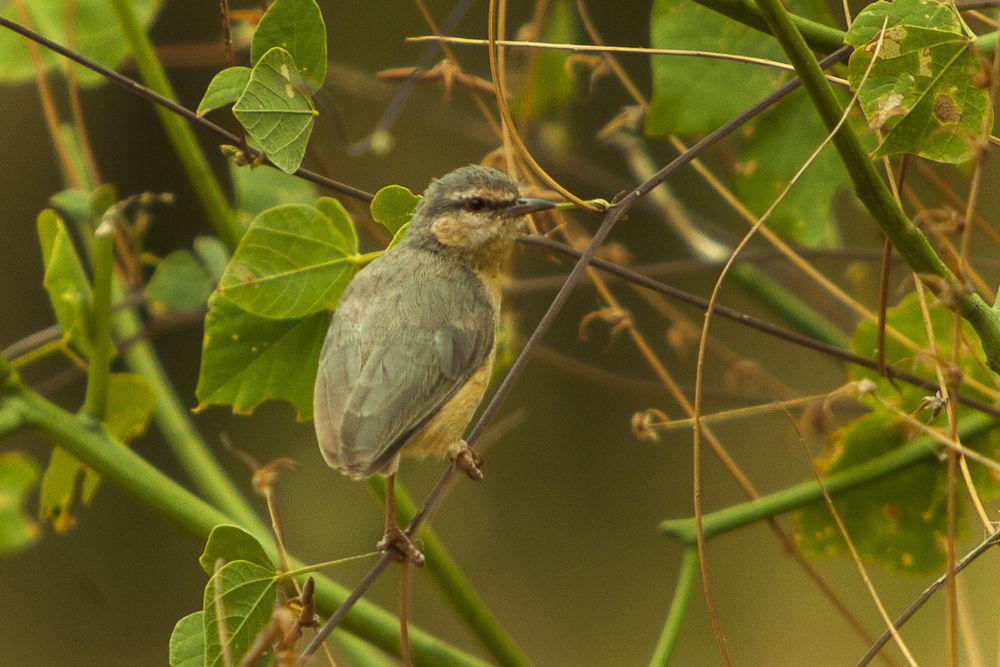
475 204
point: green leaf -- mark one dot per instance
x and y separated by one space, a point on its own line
291 262
551 85
60 489
901 520
95 35
18 474
230 543
245 593
906 318
277 115
341 219
65 280
927 91
213 254
180 284
187 641
130 406
297 27
777 147
696 95
224 88
247 360
393 206
260 188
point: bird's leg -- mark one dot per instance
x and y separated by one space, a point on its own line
395 538
466 460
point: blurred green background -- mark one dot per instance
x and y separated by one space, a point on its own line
561 538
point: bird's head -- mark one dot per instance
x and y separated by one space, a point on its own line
472 213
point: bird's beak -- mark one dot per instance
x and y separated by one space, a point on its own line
523 206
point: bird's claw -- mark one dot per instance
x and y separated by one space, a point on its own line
399 542
468 461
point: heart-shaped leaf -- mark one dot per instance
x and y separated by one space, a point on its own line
297 27
230 543
239 599
277 115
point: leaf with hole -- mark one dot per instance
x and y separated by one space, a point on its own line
187 642
393 206
18 474
900 520
224 88
928 89
297 27
247 359
293 261
228 543
276 114
238 602
65 280
95 34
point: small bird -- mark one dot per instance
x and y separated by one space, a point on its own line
411 344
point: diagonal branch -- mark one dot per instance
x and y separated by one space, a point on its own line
611 217
151 95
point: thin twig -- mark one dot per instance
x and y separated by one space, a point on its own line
914 607
631 50
156 98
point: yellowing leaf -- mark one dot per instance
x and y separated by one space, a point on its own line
927 90
393 206
18 474
65 280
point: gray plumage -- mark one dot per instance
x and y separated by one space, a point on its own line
415 325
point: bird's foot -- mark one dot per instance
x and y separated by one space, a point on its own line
467 460
399 542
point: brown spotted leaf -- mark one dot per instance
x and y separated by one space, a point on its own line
926 92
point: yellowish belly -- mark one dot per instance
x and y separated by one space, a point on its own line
445 429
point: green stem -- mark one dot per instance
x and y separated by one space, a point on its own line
794 497
102 346
199 173
173 420
11 418
164 497
818 36
456 588
358 651
686 577
787 305
871 189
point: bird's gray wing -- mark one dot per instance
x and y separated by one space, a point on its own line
388 367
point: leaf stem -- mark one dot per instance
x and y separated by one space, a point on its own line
103 346
794 497
686 578
319 566
202 179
